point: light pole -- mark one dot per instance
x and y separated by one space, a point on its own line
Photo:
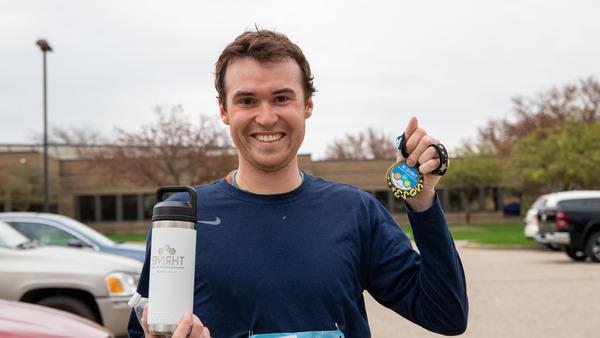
45 47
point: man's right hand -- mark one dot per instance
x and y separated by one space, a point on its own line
189 326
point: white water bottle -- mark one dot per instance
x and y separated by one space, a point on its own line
172 260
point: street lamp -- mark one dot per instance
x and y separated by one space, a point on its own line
45 47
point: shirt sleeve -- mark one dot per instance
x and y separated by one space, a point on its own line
427 288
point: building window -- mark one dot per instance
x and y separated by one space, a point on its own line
130 207
86 208
148 201
455 202
36 207
108 208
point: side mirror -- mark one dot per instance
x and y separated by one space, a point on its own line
76 243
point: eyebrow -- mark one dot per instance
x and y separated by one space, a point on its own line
284 91
237 94
277 92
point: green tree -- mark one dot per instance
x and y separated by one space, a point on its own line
578 101
470 171
542 133
22 187
561 158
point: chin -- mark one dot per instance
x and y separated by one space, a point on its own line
272 165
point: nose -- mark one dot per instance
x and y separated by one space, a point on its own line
267 116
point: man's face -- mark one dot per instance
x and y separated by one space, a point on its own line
265 111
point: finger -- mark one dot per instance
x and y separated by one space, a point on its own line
412 145
145 319
413 140
145 323
206 332
198 328
184 326
429 166
428 154
413 124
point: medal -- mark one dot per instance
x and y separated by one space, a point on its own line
403 180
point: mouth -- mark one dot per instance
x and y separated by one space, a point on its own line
268 138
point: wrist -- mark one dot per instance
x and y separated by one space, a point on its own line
422 201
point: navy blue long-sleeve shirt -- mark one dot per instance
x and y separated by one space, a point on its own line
300 261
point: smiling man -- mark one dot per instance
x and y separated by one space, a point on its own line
266 109
293 253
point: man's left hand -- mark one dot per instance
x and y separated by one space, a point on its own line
418 146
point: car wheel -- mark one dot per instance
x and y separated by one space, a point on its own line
69 304
576 255
592 247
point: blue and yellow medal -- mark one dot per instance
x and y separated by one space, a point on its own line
403 180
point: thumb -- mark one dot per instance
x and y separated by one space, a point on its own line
413 124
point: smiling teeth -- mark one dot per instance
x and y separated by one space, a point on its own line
269 137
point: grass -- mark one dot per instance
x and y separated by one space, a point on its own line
127 237
502 234
499 234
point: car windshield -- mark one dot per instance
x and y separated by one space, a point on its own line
86 231
539 203
12 239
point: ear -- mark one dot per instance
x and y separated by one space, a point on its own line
308 108
223 112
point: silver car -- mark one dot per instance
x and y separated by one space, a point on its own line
87 283
59 230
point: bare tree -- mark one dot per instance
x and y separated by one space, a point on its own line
73 135
368 145
171 150
573 102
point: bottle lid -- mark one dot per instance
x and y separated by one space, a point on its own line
175 209
133 301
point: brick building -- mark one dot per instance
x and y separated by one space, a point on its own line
82 190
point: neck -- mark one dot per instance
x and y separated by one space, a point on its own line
262 182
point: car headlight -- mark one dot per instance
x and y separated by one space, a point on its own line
120 284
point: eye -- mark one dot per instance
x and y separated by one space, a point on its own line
281 99
247 101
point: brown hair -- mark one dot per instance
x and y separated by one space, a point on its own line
263 46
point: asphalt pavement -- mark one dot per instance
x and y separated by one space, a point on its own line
515 293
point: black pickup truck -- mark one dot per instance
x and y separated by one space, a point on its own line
571 219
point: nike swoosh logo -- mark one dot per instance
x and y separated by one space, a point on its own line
217 221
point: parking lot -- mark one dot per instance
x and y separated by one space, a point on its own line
516 293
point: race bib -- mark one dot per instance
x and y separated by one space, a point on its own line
311 334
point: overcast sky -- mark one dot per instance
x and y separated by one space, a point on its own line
453 64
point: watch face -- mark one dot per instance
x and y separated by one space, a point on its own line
403 180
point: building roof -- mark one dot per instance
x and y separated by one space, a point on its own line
57 151
64 151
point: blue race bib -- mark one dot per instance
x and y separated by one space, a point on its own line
311 334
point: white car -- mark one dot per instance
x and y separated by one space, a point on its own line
90 284
531 218
532 227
